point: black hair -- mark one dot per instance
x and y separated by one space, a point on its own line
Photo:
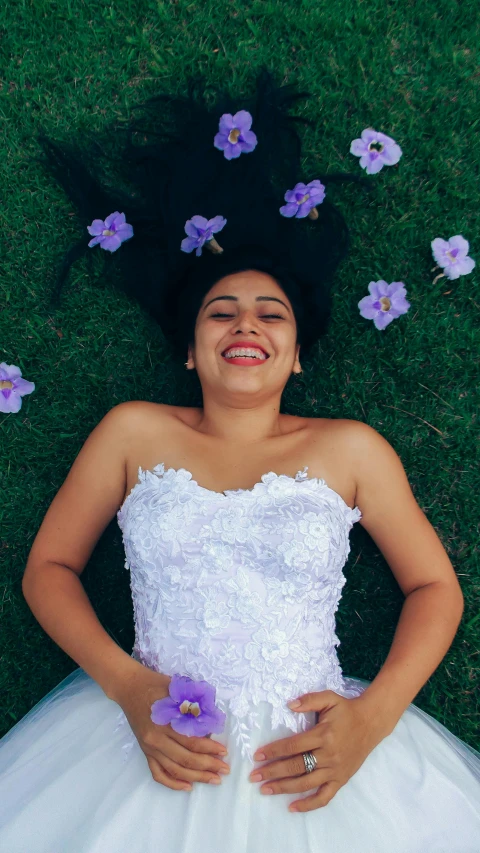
175 173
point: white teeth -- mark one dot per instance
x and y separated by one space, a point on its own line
251 353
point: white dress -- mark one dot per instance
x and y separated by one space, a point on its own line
238 588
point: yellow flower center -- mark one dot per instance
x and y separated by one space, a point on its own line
376 146
108 233
190 708
5 383
452 257
386 303
233 135
305 198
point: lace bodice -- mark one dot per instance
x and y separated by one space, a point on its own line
239 587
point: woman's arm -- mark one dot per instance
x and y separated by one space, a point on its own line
79 513
434 601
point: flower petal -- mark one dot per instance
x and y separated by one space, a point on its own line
242 120
383 319
164 710
369 135
289 209
216 224
110 218
391 154
111 243
459 242
226 123
358 147
10 403
96 240
232 151
96 227
119 219
124 231
188 244
220 141
374 165
439 249
23 386
367 308
199 222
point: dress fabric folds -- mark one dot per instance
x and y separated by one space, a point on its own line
239 588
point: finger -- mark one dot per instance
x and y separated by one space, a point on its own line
199 744
297 784
159 775
318 800
289 746
319 701
279 769
178 772
188 759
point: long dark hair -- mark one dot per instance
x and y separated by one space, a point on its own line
170 170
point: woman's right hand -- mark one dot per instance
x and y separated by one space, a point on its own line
174 760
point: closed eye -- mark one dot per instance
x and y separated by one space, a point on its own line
264 316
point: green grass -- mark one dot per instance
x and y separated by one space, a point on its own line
408 69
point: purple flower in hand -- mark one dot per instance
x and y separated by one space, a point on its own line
385 303
234 136
375 150
190 709
111 233
12 388
200 231
302 200
451 255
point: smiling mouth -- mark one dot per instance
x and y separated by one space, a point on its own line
246 360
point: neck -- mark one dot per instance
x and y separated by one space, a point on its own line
240 424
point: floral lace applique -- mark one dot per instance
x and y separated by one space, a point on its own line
239 588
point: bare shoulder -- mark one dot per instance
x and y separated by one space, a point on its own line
391 513
134 413
370 456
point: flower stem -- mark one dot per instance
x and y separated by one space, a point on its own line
313 213
213 246
442 275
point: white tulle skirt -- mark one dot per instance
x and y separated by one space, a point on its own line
73 781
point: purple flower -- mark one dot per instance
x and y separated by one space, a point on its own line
451 255
302 199
12 388
200 231
234 136
385 303
190 709
111 233
375 150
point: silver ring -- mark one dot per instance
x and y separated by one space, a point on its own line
310 761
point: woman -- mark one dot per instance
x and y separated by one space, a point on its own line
235 522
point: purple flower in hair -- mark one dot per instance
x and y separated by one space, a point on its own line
234 136
190 709
451 255
375 150
111 233
201 231
12 388
302 200
385 303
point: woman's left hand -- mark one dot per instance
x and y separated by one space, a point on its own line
341 740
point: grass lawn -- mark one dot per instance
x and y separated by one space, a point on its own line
407 69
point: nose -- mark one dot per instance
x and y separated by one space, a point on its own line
246 322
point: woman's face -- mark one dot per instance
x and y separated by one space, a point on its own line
250 307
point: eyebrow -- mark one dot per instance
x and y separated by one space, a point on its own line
257 299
